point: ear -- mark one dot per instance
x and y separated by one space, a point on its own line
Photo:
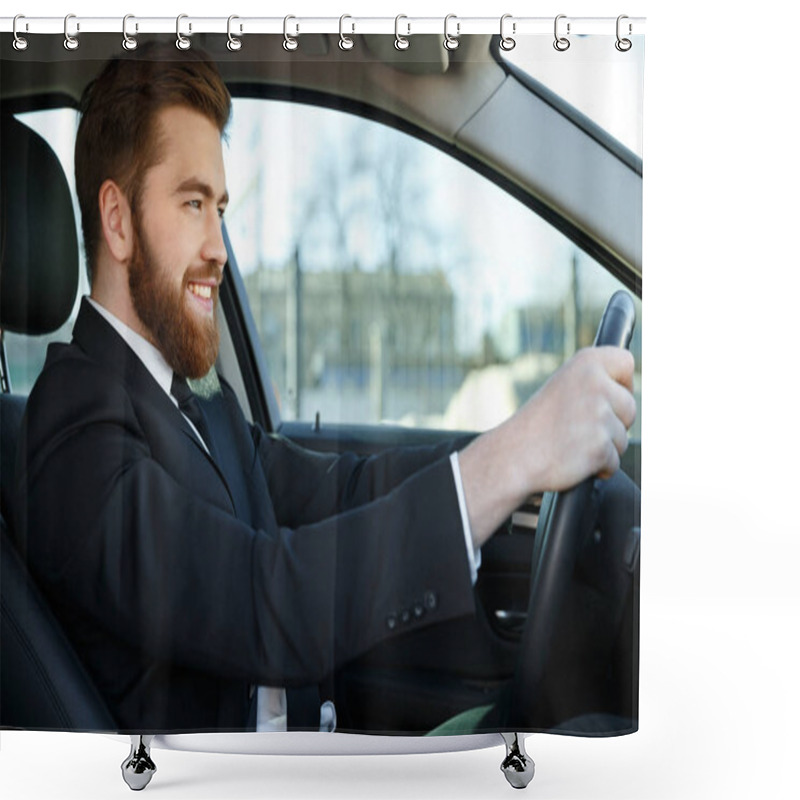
116 221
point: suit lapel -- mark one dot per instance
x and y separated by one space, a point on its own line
207 454
103 344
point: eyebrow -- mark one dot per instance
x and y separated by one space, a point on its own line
196 185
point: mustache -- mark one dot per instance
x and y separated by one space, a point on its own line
209 271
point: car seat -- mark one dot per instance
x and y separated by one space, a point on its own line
43 685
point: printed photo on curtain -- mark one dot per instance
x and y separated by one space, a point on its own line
321 375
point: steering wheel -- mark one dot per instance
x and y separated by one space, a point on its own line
562 526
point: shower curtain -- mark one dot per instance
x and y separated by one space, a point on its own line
420 225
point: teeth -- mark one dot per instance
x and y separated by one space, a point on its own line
201 290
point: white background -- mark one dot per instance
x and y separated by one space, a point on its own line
720 606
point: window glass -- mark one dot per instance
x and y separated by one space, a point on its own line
391 283
26 354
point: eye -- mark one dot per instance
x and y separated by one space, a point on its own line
221 212
196 204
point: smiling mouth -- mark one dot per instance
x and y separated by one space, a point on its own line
201 290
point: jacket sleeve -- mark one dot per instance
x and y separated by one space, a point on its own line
334 482
362 550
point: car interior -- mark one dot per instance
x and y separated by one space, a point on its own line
486 114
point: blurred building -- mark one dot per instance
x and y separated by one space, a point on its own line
384 341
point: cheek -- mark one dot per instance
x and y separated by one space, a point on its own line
171 245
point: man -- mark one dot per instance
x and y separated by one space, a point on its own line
191 556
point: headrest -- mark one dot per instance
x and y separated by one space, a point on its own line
38 239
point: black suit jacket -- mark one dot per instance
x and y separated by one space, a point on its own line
182 579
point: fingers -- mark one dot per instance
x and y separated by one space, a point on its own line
577 424
619 439
622 403
618 363
612 462
611 444
616 411
622 407
615 376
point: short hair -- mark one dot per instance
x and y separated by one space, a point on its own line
117 137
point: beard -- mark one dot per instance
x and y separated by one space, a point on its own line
188 342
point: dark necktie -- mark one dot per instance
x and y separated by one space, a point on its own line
187 402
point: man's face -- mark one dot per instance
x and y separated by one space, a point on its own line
178 252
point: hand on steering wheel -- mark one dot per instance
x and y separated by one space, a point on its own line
558 539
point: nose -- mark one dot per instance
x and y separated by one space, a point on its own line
214 244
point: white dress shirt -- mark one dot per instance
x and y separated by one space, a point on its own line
271 700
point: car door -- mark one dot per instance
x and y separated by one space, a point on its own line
385 289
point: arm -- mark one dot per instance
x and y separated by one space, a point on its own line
307 485
172 573
574 427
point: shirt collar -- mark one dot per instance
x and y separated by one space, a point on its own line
148 354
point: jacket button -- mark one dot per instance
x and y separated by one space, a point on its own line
419 611
391 621
430 600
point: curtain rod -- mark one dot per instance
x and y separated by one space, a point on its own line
75 25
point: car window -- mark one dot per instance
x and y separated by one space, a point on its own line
391 283
26 354
388 281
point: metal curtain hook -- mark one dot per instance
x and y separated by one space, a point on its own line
623 45
506 42
345 42
20 42
400 42
129 42
451 42
233 43
182 43
289 43
70 42
561 43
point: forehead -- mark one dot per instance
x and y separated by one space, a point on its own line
189 144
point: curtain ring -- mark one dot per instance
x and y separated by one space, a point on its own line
234 43
70 42
20 42
345 42
289 42
182 43
451 42
561 43
129 42
623 45
400 42
506 42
